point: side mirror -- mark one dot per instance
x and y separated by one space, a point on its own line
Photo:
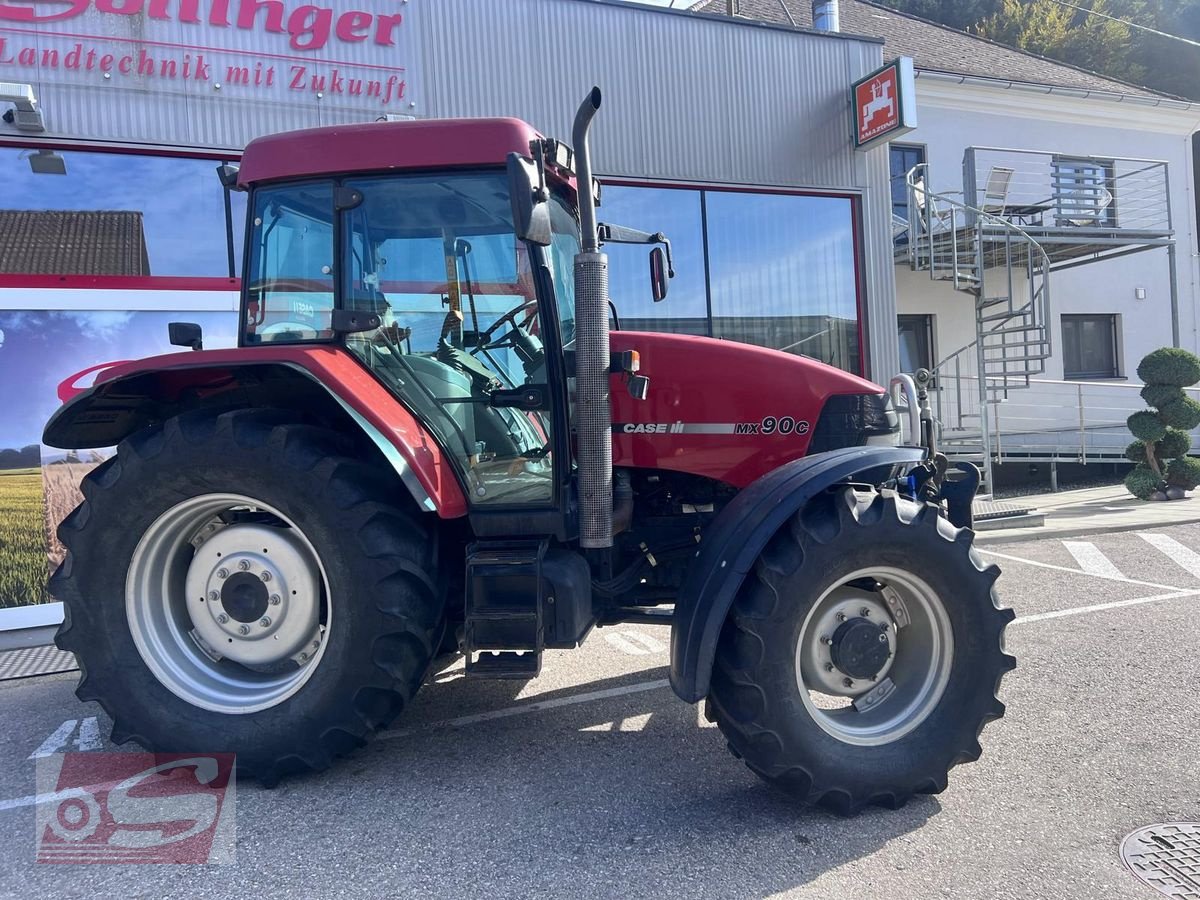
228 174
658 274
530 206
185 334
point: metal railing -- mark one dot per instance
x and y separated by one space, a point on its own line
1053 420
1070 195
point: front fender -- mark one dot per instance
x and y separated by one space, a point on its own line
736 539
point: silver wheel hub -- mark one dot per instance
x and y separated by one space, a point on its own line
259 594
882 640
227 603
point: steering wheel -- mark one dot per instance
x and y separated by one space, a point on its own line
529 307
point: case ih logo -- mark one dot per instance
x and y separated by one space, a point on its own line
308 26
883 104
136 808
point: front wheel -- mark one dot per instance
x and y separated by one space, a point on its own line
862 656
241 582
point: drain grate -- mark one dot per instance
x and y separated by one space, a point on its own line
30 661
1166 857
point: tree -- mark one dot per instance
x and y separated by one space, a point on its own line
1089 41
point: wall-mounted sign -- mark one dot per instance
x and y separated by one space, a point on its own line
251 49
885 104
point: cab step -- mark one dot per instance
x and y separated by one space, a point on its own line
504 635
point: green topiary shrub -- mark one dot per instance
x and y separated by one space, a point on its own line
1170 365
1183 472
1143 481
1174 443
1146 426
1136 452
1183 414
1158 395
1164 469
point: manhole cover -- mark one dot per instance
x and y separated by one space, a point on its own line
1166 857
30 661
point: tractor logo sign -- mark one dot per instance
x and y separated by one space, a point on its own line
883 105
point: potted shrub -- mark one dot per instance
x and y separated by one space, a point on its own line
1164 470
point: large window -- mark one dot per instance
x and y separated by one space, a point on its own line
75 212
901 160
777 270
1090 346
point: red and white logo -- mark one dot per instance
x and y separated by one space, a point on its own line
878 105
136 808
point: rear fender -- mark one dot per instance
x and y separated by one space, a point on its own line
324 381
734 542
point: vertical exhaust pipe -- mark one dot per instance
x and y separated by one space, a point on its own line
593 413
826 16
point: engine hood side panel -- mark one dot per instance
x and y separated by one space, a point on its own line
720 409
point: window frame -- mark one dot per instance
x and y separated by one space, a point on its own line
857 227
1114 324
228 282
923 151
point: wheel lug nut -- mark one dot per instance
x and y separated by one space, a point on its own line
265 621
245 629
826 639
213 595
266 576
828 667
222 618
316 644
882 638
848 682
275 599
864 612
841 617
244 565
222 573
303 656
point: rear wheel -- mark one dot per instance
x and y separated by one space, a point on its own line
861 660
241 583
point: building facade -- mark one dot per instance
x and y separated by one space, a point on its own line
1091 176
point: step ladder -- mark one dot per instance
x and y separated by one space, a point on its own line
504 634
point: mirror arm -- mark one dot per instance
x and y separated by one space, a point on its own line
619 234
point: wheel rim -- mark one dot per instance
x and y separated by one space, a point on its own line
228 603
856 695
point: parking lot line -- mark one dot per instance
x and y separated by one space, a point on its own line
1091 560
1100 607
1184 557
1043 565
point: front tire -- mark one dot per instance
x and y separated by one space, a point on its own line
241 582
862 656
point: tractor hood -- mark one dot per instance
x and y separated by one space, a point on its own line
734 412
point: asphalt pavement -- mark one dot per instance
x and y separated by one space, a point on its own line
595 781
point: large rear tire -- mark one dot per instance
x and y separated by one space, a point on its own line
241 582
862 657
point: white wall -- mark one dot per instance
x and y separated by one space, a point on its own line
955 116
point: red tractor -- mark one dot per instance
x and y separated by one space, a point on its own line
428 442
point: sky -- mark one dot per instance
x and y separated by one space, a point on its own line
40 349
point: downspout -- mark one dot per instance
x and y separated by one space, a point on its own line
593 413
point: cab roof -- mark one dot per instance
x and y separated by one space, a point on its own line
382 146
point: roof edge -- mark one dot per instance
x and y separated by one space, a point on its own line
1158 101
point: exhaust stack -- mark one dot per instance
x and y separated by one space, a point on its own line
593 413
826 16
